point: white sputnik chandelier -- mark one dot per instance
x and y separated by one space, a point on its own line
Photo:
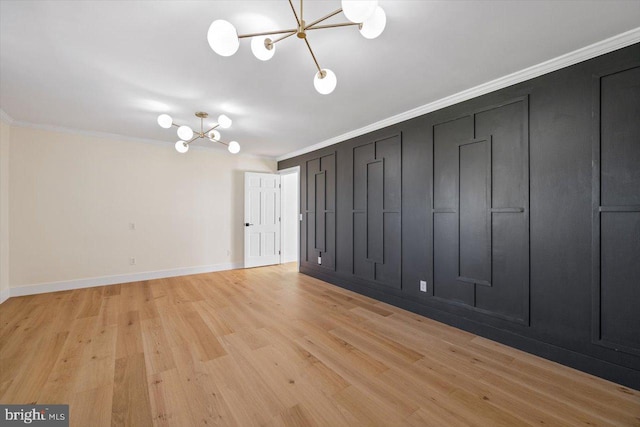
367 15
187 135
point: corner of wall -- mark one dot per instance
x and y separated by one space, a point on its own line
5 139
66 285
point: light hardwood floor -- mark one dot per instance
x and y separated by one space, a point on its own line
269 346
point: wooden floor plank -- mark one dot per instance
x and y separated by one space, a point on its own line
169 402
92 407
271 347
157 352
131 403
129 337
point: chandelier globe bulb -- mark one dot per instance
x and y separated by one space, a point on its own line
234 147
165 121
359 11
223 37
224 121
325 81
262 48
181 147
185 133
374 26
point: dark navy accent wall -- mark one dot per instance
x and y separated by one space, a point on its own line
519 208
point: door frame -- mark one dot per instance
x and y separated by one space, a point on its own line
276 258
289 171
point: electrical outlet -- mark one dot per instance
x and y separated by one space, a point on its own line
319 260
423 286
132 261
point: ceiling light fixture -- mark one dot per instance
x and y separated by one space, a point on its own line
186 134
367 15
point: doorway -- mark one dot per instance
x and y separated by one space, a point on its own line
271 218
290 212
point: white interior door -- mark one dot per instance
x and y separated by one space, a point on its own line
261 219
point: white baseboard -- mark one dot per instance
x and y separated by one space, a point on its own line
66 285
4 295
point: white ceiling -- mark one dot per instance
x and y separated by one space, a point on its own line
113 66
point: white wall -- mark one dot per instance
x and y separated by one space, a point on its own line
73 198
5 136
290 222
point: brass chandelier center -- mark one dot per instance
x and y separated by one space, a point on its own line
365 14
187 135
301 31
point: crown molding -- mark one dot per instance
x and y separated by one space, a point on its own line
107 135
588 52
95 134
5 117
260 157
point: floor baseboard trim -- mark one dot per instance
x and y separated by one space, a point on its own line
67 285
4 295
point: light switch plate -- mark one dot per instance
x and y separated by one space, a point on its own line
319 260
423 286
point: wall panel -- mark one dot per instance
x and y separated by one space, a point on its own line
519 210
616 203
447 137
474 201
481 210
318 199
507 127
377 211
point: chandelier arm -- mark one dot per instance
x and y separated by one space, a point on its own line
313 55
322 27
192 139
293 9
216 125
267 33
324 18
282 38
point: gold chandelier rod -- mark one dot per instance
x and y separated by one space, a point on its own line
283 37
267 33
292 31
324 18
322 74
301 31
322 27
202 132
293 9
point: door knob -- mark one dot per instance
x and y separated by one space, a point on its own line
246 224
